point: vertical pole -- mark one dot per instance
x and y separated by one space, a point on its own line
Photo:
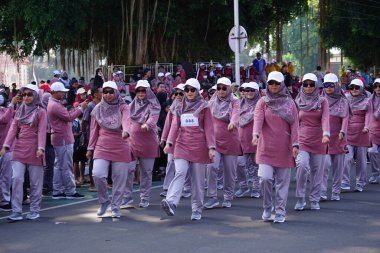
237 42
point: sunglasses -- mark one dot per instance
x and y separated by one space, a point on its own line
29 94
329 85
141 91
376 85
249 90
212 93
241 89
192 89
224 88
354 87
178 94
272 82
108 92
304 84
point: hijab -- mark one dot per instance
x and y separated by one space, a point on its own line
309 102
221 108
337 102
28 113
247 107
141 110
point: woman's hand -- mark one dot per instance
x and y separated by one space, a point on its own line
40 153
341 136
144 127
230 127
365 130
89 154
125 135
325 139
2 152
255 140
211 153
166 148
295 152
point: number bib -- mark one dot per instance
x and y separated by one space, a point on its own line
188 120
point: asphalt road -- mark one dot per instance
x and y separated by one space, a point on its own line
350 225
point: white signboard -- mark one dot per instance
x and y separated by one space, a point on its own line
242 37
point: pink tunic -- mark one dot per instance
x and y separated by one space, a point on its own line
61 122
6 114
165 132
357 122
192 143
313 125
276 137
144 144
374 129
109 145
245 134
337 125
228 143
28 139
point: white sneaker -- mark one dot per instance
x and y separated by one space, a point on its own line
211 203
374 180
279 218
267 214
314 205
226 204
127 203
300 205
15 216
241 192
103 209
144 203
32 216
196 215
116 213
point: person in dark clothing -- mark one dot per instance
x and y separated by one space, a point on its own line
71 94
99 79
288 79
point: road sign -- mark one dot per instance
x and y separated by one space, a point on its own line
242 37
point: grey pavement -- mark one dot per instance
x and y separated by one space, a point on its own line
350 225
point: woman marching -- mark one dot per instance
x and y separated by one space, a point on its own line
375 133
145 110
107 145
247 108
28 136
192 133
275 132
338 129
225 111
314 135
357 135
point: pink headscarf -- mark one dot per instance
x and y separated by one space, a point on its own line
375 100
221 108
142 109
360 102
247 107
281 103
28 113
309 102
337 102
108 115
194 107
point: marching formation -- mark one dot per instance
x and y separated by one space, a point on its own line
244 145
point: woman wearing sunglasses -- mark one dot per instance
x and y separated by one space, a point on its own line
375 133
247 107
225 111
109 123
145 110
173 111
339 111
314 135
275 132
358 138
27 135
193 135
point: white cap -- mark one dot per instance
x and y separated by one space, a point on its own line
234 84
241 65
213 87
142 83
167 74
161 74
31 87
180 86
81 91
56 72
310 76
110 84
193 83
224 80
120 72
252 85
228 65
330 78
114 74
201 64
276 76
89 92
219 65
273 61
357 82
58 86
377 80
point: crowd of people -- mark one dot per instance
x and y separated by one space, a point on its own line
203 134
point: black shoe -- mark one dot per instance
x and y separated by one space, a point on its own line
6 208
59 196
75 196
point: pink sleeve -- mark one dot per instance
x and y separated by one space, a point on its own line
42 127
168 122
235 112
94 134
7 116
258 118
63 114
368 116
125 119
294 126
173 132
345 122
325 118
11 134
152 122
209 128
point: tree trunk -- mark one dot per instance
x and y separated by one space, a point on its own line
279 41
78 63
322 23
62 51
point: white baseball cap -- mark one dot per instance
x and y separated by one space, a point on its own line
167 74
228 65
81 91
193 83
377 80
56 72
58 86
310 76
252 85
224 80
201 64
241 65
110 84
357 82
330 78
180 86
213 87
275 76
161 74
219 65
142 83
30 87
